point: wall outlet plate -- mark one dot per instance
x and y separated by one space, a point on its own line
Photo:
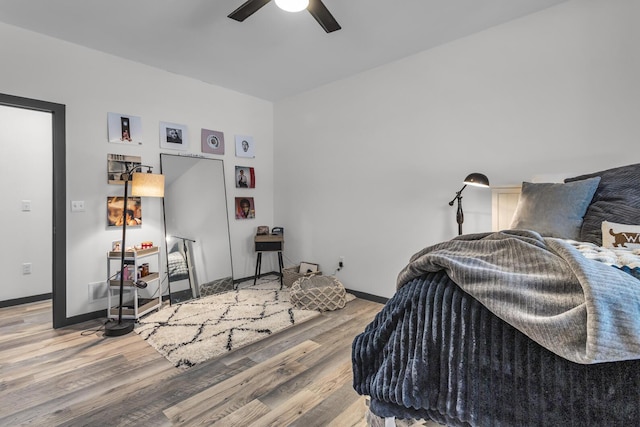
77 206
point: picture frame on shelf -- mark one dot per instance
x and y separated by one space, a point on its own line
174 136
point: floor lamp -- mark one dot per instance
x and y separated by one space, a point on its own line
143 185
475 179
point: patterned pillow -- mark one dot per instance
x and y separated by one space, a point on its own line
617 199
620 235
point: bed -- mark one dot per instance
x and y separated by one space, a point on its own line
538 325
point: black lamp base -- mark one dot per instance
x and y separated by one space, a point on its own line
113 329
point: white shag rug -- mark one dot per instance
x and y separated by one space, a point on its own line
199 330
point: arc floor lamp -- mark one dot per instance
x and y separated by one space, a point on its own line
143 185
474 179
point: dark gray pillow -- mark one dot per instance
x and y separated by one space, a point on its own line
617 199
554 209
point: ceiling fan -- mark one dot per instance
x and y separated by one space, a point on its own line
315 7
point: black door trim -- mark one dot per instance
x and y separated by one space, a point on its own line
59 287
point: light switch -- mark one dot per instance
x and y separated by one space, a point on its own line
26 205
77 206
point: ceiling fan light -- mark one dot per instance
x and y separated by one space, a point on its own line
292 5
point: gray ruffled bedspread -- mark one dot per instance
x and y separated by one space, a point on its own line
506 329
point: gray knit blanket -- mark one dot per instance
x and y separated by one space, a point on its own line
582 310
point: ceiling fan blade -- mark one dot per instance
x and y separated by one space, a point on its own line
247 9
320 12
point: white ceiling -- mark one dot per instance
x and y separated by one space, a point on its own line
273 54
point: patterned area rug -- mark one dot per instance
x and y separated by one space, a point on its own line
195 331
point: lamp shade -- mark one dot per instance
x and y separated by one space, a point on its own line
477 179
147 185
292 5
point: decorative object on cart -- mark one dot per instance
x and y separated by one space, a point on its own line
143 185
173 136
316 8
195 207
245 146
124 129
475 179
245 177
212 141
322 293
262 230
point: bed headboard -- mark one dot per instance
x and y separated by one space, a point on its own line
503 204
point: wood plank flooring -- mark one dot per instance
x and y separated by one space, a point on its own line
76 377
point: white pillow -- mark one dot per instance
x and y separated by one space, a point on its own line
620 235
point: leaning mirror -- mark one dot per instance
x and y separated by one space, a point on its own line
198 250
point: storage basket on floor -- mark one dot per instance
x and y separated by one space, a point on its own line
322 293
291 274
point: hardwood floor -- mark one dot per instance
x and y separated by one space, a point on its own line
75 376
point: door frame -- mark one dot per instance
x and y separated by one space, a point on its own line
59 194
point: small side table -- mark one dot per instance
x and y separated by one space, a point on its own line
268 243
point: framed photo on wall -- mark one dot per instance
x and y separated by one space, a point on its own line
115 208
118 164
245 177
245 147
212 141
245 208
173 136
124 129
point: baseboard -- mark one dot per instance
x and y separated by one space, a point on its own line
368 297
85 317
25 300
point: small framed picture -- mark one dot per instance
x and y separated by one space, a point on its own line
173 136
245 208
212 141
245 177
115 210
245 146
118 164
124 129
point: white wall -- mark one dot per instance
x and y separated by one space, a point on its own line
365 167
25 171
92 84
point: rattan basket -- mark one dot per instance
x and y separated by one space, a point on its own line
291 274
322 293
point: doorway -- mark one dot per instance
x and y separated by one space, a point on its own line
54 177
